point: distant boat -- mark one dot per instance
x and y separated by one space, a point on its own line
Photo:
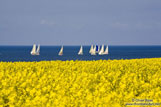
38 50
106 50
61 51
34 51
91 49
80 51
93 52
102 50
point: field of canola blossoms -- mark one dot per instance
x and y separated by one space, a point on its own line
102 83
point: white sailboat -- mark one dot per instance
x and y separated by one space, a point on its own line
102 50
38 50
91 49
80 51
61 51
106 50
33 51
93 52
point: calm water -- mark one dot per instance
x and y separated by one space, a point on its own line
22 53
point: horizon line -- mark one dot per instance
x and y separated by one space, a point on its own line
81 45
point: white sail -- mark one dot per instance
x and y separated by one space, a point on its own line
101 51
33 51
106 51
91 49
38 50
93 52
80 51
61 51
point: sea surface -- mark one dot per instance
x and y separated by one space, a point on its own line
47 53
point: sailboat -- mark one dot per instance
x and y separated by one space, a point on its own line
106 50
61 51
93 52
102 50
34 51
38 50
91 49
80 51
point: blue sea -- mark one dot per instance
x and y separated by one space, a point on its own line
47 53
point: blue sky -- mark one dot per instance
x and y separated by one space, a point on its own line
80 22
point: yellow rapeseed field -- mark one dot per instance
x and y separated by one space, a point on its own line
102 83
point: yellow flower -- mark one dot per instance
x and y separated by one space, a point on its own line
79 83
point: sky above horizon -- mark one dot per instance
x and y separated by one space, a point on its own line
80 22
